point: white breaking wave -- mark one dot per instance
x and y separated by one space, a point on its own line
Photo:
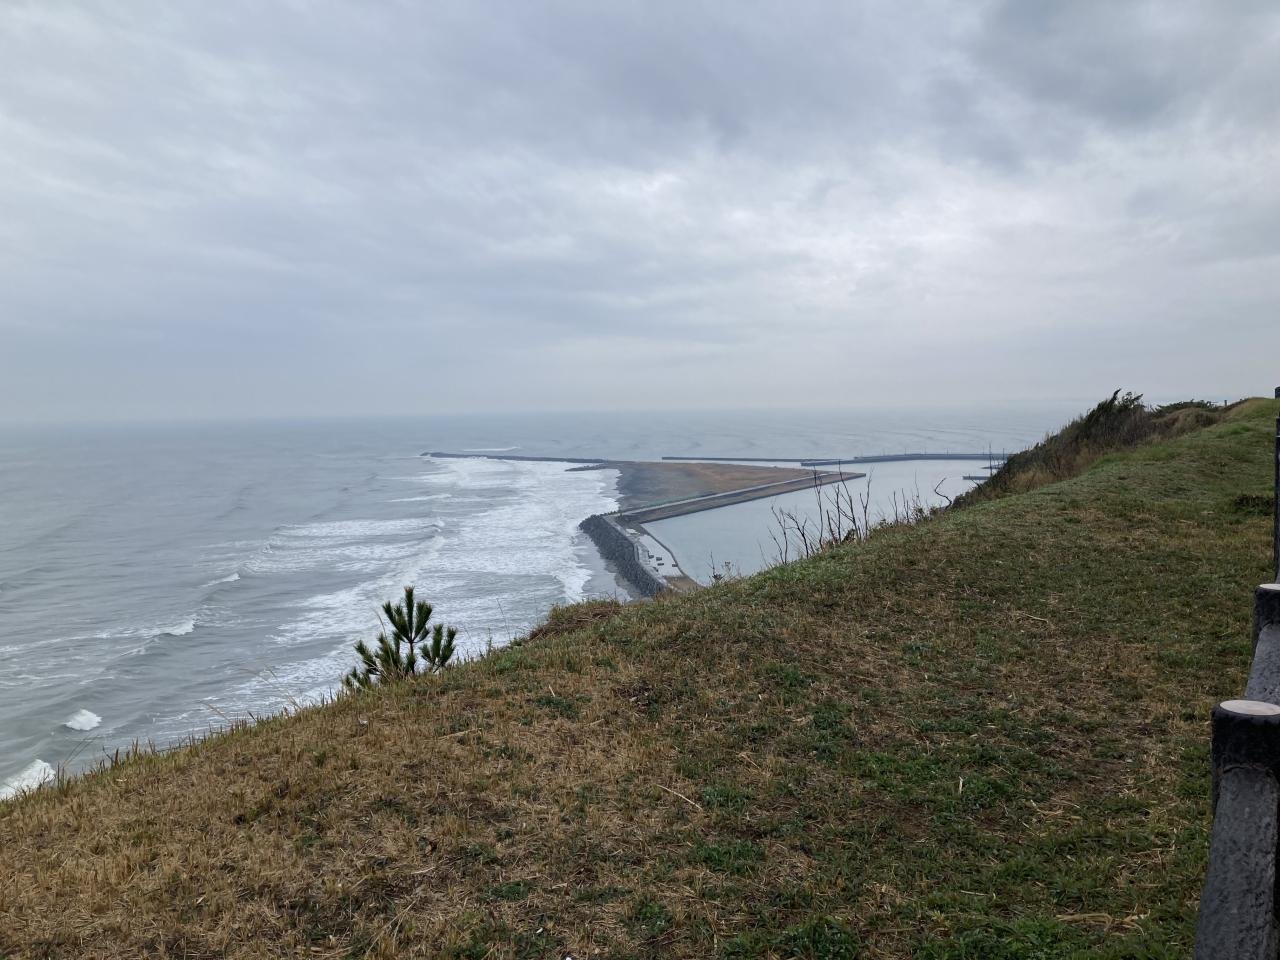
492 573
429 478
82 720
525 537
232 578
360 529
489 449
430 496
177 628
346 556
32 776
351 612
354 546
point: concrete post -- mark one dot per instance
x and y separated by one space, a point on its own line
1264 674
1237 907
1266 610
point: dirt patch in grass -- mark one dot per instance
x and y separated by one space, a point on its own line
983 736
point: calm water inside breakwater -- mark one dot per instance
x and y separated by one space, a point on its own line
747 537
157 580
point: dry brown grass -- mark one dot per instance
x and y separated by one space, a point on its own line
981 737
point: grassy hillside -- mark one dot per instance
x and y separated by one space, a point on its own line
1118 423
982 737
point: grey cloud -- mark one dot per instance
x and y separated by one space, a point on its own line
225 201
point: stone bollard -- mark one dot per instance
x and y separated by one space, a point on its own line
1264 674
1237 908
1266 609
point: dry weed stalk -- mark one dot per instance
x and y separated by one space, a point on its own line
840 517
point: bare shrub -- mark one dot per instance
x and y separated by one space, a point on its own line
1119 422
841 516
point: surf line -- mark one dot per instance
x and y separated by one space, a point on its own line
620 536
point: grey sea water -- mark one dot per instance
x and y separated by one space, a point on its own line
160 580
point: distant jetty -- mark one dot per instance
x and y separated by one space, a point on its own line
837 461
656 490
652 483
650 490
712 501
675 486
618 535
509 456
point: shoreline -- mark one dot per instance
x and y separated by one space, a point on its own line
658 489
654 490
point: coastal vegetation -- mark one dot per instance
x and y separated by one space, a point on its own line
414 642
1120 422
841 515
983 735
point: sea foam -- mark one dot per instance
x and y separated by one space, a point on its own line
33 775
82 720
491 571
523 539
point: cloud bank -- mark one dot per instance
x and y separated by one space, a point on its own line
240 209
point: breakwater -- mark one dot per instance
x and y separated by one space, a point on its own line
511 456
837 461
711 501
623 552
802 461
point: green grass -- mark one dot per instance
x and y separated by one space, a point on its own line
1117 423
984 736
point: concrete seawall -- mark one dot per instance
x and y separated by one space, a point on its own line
679 508
837 461
624 553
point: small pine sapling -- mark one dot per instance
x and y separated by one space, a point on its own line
412 642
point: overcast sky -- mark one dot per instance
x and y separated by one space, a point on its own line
230 209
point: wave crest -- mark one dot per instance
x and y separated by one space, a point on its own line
35 774
82 720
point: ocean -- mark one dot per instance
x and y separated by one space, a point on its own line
158 581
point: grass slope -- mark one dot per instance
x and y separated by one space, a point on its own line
1116 424
982 737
